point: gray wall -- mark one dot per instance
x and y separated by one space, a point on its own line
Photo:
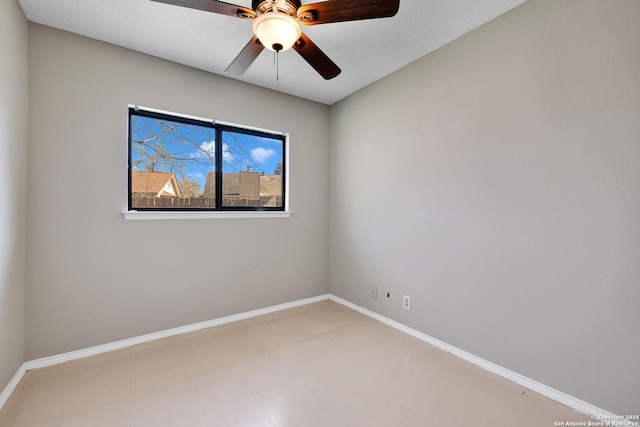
93 277
496 181
13 176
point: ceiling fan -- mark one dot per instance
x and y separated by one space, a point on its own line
276 25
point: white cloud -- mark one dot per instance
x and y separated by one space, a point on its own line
209 149
226 154
261 155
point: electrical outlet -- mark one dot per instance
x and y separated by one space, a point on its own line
374 292
406 302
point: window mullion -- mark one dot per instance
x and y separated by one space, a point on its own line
218 160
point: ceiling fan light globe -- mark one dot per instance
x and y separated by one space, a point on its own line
276 30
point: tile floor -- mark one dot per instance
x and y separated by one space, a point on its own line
317 365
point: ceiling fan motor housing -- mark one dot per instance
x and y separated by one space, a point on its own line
289 7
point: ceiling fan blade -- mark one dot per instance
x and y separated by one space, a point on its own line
316 58
246 57
343 10
213 6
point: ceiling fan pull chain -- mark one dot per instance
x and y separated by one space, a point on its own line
277 66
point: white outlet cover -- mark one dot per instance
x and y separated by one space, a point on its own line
406 302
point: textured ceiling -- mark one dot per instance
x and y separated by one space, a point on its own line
365 50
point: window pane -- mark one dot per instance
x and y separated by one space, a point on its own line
252 170
170 163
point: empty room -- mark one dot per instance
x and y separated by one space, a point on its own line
331 213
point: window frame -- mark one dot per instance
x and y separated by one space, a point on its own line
219 211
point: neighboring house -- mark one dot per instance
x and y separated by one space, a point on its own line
157 184
246 188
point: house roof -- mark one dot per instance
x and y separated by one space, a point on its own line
270 185
154 182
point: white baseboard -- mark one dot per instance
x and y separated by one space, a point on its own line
92 351
551 393
563 398
4 396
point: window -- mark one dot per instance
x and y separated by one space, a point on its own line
187 164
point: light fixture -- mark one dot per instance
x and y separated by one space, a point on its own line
276 30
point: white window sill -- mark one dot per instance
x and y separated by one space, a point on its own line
165 215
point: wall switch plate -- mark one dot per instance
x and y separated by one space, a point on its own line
374 292
406 302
